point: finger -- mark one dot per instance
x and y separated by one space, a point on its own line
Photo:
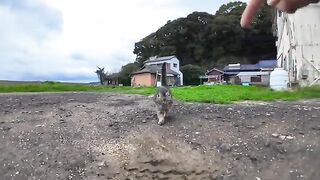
273 3
290 6
250 11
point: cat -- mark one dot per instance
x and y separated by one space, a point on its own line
163 97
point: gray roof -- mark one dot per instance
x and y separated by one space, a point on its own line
253 67
153 70
113 76
267 63
254 73
159 59
214 69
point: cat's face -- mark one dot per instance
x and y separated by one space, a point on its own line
164 96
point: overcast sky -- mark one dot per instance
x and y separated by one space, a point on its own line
64 40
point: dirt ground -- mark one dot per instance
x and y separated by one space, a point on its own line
108 136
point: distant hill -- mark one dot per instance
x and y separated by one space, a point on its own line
18 82
7 82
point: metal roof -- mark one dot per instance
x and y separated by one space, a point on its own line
242 67
153 70
157 59
258 73
262 64
267 63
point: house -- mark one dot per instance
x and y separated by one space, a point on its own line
298 45
267 65
231 71
112 79
150 74
213 76
250 74
254 78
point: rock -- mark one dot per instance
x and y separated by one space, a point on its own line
68 115
225 147
197 133
102 164
282 137
289 137
257 178
267 144
275 135
230 109
5 128
317 128
144 121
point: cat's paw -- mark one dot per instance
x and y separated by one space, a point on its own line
161 123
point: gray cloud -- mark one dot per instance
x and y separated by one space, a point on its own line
30 17
55 40
25 26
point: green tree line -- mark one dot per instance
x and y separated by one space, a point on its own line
202 41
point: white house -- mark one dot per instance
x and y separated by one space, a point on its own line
172 61
298 45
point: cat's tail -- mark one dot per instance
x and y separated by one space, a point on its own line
164 74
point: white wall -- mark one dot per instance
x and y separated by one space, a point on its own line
299 44
171 62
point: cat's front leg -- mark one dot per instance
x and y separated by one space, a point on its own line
160 117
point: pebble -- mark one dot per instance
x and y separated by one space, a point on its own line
226 147
317 128
102 164
282 137
275 135
289 137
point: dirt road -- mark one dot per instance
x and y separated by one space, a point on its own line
107 136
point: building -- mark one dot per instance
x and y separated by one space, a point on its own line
250 74
150 74
298 45
258 78
112 79
213 76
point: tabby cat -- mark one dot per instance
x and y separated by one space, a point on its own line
162 97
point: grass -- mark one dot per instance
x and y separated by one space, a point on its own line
204 94
233 93
62 87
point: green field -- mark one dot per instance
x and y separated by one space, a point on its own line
206 94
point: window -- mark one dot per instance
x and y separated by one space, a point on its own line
256 79
175 65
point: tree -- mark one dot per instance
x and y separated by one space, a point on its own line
191 74
101 75
208 40
126 70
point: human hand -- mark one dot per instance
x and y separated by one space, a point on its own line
288 6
